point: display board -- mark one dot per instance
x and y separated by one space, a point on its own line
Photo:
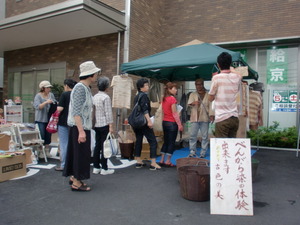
230 176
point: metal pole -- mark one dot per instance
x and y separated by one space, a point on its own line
118 71
126 33
126 46
297 106
118 52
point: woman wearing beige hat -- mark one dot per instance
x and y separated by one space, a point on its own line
80 122
42 102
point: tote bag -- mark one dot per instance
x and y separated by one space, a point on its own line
157 125
110 146
52 125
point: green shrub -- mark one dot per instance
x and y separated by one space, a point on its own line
57 90
272 136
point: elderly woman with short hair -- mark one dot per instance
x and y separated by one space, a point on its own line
103 125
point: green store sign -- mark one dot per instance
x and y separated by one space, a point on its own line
277 66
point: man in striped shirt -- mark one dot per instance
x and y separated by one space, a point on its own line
224 90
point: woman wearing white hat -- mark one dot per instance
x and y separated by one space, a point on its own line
80 121
42 102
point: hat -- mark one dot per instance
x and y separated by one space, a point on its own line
88 68
45 84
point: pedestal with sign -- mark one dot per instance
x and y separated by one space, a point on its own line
230 178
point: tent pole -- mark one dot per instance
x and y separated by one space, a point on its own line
297 105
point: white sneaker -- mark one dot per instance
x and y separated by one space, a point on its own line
107 172
96 171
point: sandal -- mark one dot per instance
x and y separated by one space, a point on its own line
169 165
139 165
161 164
154 167
81 188
71 182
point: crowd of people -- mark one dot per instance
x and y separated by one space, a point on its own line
76 119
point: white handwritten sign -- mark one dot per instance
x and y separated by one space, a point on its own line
230 177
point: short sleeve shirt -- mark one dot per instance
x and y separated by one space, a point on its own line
64 102
167 108
122 87
225 87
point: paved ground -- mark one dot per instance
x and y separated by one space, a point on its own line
139 196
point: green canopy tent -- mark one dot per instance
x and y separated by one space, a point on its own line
184 63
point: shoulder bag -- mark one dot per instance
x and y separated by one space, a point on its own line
136 118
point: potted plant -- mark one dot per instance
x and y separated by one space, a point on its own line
57 90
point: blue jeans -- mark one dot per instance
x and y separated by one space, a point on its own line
170 134
63 134
195 127
45 135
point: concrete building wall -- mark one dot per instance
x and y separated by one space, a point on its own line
16 7
2 10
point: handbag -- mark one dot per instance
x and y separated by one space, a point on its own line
136 118
111 146
52 125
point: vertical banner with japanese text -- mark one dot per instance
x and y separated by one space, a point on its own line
230 177
277 66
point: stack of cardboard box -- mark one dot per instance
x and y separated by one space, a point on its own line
12 164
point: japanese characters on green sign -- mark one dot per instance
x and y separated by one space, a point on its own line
277 66
284 101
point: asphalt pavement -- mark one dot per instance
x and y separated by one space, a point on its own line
142 197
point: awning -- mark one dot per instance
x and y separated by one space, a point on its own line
65 21
187 62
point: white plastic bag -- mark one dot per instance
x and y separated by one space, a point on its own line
93 142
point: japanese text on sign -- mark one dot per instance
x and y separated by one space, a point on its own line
284 101
277 66
231 180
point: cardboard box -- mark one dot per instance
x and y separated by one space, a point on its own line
12 167
145 154
4 142
28 153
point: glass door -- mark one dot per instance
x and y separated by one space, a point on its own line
30 89
27 93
